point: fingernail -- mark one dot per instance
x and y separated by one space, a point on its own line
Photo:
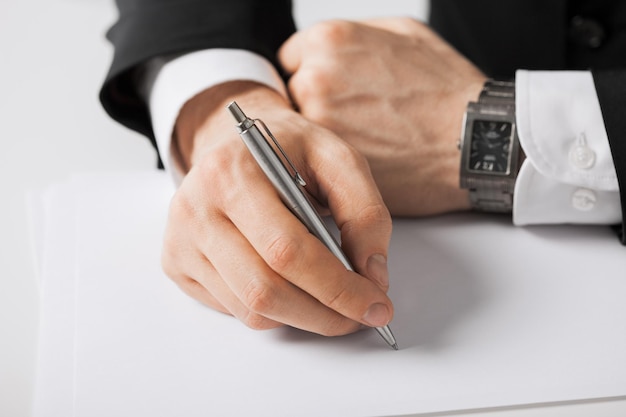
377 315
377 269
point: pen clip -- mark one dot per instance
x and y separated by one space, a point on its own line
297 177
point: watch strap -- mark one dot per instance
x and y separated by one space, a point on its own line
498 92
492 193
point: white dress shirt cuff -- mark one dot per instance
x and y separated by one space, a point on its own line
175 81
568 175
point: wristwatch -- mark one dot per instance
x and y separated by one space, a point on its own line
490 151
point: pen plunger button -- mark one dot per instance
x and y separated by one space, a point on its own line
236 111
243 121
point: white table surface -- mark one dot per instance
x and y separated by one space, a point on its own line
54 58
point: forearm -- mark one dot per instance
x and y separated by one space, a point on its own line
203 120
187 76
148 29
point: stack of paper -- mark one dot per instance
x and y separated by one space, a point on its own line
487 315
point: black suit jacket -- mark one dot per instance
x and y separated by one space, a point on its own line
498 36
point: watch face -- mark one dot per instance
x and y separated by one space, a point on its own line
490 146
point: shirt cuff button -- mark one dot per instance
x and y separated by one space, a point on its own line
581 156
583 199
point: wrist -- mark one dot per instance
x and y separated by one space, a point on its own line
457 197
490 151
203 121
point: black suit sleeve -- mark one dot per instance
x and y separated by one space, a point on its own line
151 28
611 90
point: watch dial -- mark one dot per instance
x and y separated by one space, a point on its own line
490 146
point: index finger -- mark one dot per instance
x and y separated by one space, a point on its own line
300 258
345 181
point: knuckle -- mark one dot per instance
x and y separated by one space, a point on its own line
188 285
316 112
189 211
301 86
257 322
282 252
375 213
410 26
339 299
349 155
339 327
181 206
340 152
409 23
331 33
259 296
311 84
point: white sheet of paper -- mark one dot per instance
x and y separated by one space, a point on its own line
54 387
486 315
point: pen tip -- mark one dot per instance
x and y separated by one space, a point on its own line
386 334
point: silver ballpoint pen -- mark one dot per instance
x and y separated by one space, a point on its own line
290 188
